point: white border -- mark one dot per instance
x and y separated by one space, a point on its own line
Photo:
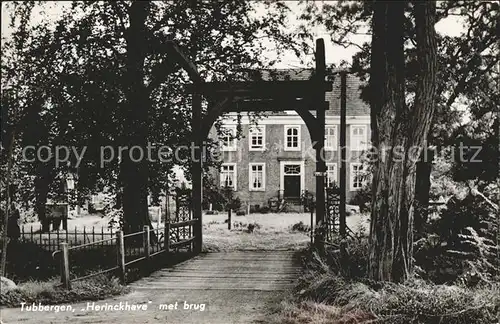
334 148
351 176
302 173
263 130
364 141
250 188
336 172
287 127
235 141
235 187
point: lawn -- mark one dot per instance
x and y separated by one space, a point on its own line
273 230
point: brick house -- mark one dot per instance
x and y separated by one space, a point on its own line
274 155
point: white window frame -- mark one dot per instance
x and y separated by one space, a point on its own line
256 131
251 177
335 177
285 146
357 142
224 147
235 175
335 138
302 174
351 176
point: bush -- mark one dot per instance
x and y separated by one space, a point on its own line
459 245
252 227
301 227
415 301
240 213
27 261
363 199
98 287
264 210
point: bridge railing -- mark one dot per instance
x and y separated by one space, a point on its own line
128 249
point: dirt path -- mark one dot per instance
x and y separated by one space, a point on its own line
232 287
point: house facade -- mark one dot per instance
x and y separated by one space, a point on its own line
274 156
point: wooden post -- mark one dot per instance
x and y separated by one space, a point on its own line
229 219
167 236
120 249
343 164
311 209
65 266
147 241
197 179
319 97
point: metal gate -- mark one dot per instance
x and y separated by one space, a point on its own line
332 213
183 213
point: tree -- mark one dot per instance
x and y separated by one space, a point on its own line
466 62
22 100
116 84
394 126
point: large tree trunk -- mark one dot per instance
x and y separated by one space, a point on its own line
9 193
134 171
422 190
44 177
396 130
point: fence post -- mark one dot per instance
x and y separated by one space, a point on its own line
147 240
65 266
120 246
229 219
167 236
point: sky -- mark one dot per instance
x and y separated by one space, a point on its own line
334 53
451 26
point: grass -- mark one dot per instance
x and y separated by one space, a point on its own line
272 232
318 313
275 232
324 296
50 292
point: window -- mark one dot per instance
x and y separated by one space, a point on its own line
331 175
257 176
257 138
331 137
357 176
358 137
228 175
292 138
228 141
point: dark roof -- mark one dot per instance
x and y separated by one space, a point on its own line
355 105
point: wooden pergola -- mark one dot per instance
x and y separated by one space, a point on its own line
303 96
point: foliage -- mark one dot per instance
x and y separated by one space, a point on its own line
253 226
264 210
460 244
50 292
212 194
72 74
414 301
301 227
363 198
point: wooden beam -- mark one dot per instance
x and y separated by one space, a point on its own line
197 169
263 89
273 105
320 74
312 125
213 112
343 155
184 61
